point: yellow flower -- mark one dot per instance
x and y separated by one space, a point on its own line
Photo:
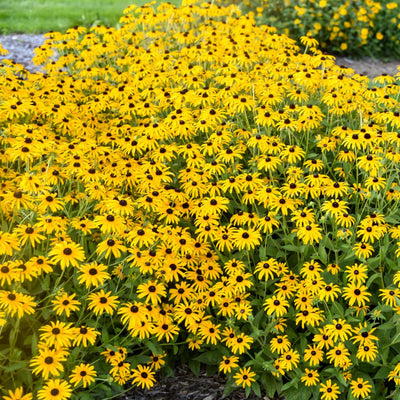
244 377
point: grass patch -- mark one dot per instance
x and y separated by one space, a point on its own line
40 16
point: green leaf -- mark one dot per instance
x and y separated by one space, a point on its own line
258 317
256 388
323 255
291 383
269 384
154 348
373 278
294 395
16 365
85 396
194 367
386 326
104 334
291 247
209 357
384 354
34 342
228 389
341 379
382 373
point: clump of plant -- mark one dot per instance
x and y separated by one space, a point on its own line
190 186
348 27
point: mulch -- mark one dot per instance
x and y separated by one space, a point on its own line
184 385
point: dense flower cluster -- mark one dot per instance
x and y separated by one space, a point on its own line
191 186
355 27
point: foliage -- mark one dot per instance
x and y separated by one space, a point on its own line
191 186
348 27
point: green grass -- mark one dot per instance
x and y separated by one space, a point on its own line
40 16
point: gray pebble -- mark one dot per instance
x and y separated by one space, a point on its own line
20 48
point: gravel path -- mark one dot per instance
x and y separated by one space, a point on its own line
369 66
21 46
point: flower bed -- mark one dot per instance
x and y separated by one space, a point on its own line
190 186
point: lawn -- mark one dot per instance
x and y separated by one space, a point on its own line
40 16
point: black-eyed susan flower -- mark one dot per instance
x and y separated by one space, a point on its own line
101 302
143 376
157 361
152 291
394 374
244 377
310 377
309 234
311 316
339 355
329 390
55 389
241 343
289 360
356 294
110 246
367 352
48 363
164 330
390 296
360 388
8 273
65 304
8 243
210 332
323 339
57 333
18 394
84 374
329 292
93 274
246 238
363 250
15 303
67 253
357 273
85 336
228 363
276 305
339 329
335 207
29 234
280 344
